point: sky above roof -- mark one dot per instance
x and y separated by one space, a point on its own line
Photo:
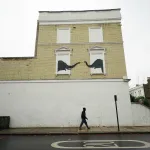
18 21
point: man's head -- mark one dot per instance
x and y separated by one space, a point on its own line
84 109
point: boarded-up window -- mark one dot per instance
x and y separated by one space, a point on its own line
95 34
63 35
62 63
97 61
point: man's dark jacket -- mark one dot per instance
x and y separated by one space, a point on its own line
83 115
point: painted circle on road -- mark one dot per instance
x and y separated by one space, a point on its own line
100 144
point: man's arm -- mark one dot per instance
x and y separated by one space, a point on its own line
86 117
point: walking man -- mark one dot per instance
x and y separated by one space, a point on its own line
83 117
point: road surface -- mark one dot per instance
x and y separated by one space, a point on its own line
72 142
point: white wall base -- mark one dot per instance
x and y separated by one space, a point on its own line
46 104
141 115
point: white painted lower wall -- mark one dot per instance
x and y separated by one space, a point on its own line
59 103
141 115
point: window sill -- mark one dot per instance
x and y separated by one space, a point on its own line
64 43
97 42
58 74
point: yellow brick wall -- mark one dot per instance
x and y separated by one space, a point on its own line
79 33
43 66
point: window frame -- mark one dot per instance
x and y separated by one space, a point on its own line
62 51
65 28
98 50
99 27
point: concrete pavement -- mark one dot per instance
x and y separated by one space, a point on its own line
73 130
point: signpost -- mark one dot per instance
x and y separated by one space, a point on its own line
115 97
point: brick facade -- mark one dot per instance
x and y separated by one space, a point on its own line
43 65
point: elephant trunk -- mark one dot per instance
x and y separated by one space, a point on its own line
90 66
70 67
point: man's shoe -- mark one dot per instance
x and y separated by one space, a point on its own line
88 128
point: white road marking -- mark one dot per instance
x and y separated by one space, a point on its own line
100 144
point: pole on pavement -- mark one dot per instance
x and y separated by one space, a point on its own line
115 97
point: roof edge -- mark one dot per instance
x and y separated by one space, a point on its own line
136 87
19 57
79 10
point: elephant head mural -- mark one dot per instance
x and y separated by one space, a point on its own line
63 66
96 64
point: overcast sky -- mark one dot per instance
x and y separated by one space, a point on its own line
18 20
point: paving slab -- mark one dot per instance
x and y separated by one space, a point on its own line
105 129
73 130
